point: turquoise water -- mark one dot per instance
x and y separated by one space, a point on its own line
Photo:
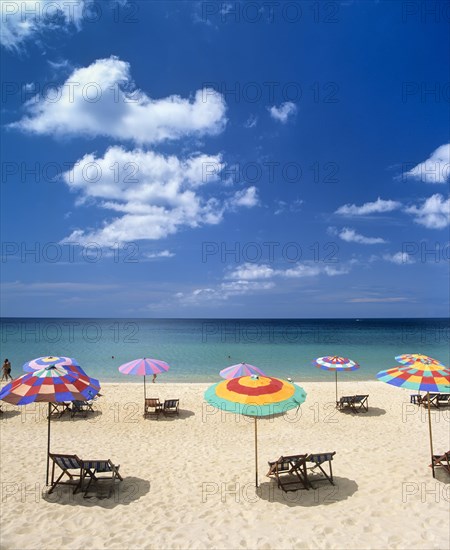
197 349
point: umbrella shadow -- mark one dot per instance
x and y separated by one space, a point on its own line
373 411
125 492
89 416
322 493
183 414
442 475
8 413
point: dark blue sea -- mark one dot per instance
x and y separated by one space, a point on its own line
197 349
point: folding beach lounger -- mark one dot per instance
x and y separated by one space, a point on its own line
171 406
318 460
437 400
59 408
71 466
290 471
81 407
152 406
99 472
357 403
441 461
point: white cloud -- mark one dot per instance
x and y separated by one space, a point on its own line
249 271
375 207
349 235
251 122
149 195
161 254
434 213
435 169
27 19
283 112
370 300
102 100
245 197
283 206
399 258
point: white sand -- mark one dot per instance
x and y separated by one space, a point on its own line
189 481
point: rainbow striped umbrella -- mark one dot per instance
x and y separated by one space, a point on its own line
142 367
411 358
255 396
41 362
242 369
336 363
51 385
431 376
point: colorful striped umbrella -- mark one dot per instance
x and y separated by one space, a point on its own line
430 377
51 385
255 396
411 358
142 367
333 362
242 369
50 360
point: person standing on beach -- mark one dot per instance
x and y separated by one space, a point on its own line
154 378
6 370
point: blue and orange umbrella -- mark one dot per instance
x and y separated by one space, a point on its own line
51 385
143 367
255 396
411 358
424 374
241 369
336 363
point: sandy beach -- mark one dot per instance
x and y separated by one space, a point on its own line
189 481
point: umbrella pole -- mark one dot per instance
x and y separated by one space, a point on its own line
145 393
48 444
256 452
335 372
429 426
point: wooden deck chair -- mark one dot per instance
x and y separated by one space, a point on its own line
441 461
59 408
98 472
171 406
66 463
290 471
152 406
81 408
355 403
318 460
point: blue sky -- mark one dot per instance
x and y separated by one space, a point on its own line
225 159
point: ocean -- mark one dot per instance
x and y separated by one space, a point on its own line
197 349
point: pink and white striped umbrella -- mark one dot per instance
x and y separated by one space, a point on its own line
142 367
242 369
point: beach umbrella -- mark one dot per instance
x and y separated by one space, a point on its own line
57 361
143 367
333 362
429 377
242 369
51 385
255 396
411 358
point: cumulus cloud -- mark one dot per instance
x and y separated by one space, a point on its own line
399 258
436 169
148 195
249 271
378 206
283 112
28 19
245 197
102 100
434 213
351 236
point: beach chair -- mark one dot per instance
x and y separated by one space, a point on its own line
171 406
356 403
59 408
81 408
436 400
71 466
290 471
152 406
318 460
99 472
441 461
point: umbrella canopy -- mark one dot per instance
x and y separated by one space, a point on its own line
242 369
255 396
411 358
431 376
50 360
336 363
142 367
51 384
